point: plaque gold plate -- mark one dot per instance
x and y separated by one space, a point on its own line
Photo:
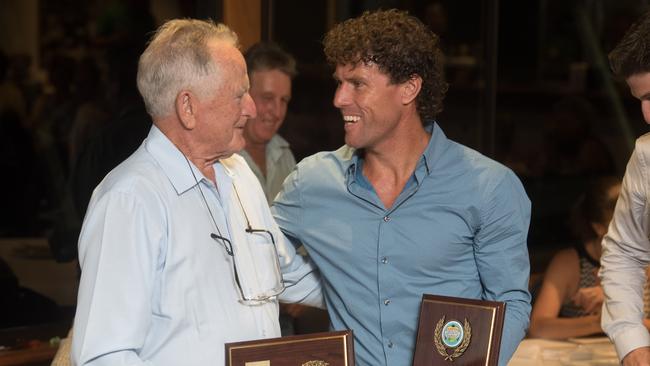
458 331
317 349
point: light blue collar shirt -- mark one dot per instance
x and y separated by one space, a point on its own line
155 287
458 228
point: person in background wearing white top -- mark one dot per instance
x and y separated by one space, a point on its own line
626 247
178 250
270 70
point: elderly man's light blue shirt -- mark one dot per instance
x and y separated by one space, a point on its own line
155 288
458 228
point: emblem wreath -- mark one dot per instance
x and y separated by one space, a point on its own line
315 363
458 351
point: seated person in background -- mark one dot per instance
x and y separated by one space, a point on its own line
270 71
570 299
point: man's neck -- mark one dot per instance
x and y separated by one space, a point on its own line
257 151
206 168
184 143
390 166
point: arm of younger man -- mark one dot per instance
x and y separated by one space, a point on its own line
302 279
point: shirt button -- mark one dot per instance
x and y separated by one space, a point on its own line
384 260
386 218
390 344
386 302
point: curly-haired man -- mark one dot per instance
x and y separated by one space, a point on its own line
626 246
400 210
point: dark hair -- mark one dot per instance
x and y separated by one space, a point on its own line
401 47
269 56
632 54
593 206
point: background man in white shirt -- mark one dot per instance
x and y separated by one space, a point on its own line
270 70
178 250
626 247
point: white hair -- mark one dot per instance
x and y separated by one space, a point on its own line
178 58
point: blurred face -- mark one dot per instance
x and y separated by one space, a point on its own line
271 91
370 105
640 88
221 116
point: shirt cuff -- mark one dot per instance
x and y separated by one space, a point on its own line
631 339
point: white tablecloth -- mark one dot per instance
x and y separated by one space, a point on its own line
573 352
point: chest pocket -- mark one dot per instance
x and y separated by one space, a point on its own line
258 267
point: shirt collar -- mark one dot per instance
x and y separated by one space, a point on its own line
173 163
435 149
275 146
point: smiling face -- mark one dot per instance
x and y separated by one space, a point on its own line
222 115
370 104
271 91
640 88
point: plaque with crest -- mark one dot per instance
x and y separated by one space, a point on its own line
317 349
458 331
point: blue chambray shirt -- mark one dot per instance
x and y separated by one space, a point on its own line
458 229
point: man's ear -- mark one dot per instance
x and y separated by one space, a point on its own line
411 88
186 104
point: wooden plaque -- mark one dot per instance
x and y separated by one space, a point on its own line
458 331
317 349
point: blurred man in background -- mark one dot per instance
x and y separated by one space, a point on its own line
270 70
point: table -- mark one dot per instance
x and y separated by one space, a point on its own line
31 345
33 264
38 355
588 351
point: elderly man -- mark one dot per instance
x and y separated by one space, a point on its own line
401 210
270 70
626 246
179 252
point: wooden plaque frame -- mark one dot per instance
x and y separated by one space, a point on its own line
481 323
317 349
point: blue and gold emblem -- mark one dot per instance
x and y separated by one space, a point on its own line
452 336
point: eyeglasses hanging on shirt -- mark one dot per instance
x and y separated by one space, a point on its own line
253 289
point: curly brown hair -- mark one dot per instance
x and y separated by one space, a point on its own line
401 47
